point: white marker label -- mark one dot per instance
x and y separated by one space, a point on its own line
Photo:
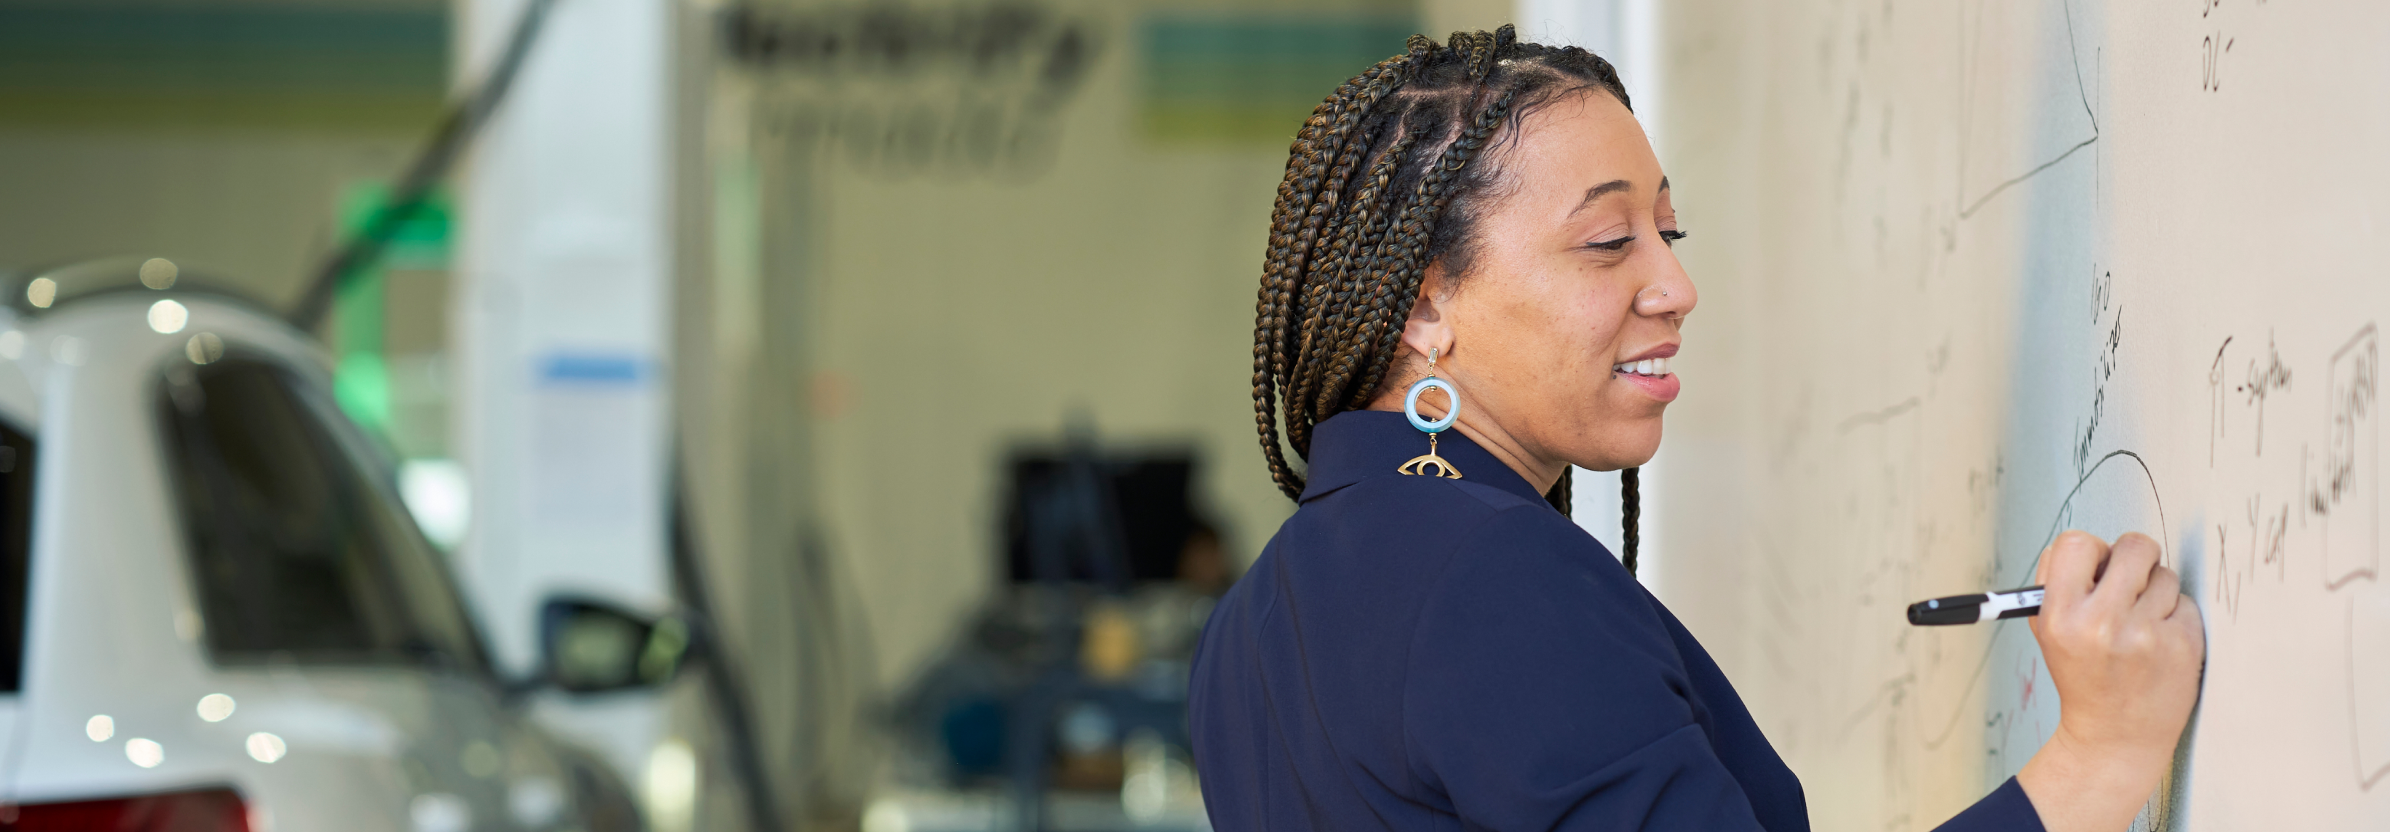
1999 602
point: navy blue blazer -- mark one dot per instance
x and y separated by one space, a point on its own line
1416 653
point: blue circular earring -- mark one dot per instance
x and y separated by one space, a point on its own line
1429 464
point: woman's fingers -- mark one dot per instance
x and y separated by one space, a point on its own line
2069 567
2159 600
2186 615
2131 564
2041 567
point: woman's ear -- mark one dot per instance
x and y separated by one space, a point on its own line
1430 325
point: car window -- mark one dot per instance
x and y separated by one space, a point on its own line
298 547
16 544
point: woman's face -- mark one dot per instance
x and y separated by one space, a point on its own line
1572 288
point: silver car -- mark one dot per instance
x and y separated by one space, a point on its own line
215 613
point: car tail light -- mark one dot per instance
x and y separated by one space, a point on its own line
198 810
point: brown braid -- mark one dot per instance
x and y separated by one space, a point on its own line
1562 492
1334 117
1385 178
1630 499
1382 331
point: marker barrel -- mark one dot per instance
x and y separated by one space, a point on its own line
1956 609
1971 609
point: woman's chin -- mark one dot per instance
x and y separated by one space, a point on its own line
1623 446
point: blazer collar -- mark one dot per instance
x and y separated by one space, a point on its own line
1358 444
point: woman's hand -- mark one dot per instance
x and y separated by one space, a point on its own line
2124 647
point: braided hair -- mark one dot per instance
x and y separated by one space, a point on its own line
1386 177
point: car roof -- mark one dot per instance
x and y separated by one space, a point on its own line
29 299
39 292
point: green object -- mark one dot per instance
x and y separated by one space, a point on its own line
1253 79
419 243
360 307
361 384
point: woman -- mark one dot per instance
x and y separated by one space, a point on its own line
1428 643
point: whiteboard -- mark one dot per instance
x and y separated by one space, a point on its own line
1975 272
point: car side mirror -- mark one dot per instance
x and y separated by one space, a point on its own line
588 646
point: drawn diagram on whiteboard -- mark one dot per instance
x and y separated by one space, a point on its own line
2344 494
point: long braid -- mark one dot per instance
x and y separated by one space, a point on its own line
1295 195
1563 493
1289 245
1334 120
1374 208
1380 184
1362 294
1327 307
1630 500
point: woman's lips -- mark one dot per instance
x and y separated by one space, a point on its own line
1663 388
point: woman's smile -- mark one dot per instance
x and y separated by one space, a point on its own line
1649 372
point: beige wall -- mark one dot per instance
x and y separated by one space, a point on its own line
956 316
254 207
138 128
1440 18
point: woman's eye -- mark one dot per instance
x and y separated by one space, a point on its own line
1671 236
1619 244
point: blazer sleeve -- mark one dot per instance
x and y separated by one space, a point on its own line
1545 694
2006 809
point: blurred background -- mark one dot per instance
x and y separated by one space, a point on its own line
668 414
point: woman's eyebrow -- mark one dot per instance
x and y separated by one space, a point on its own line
1599 191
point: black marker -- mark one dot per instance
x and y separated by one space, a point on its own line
1969 609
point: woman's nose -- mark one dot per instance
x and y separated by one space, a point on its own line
1667 291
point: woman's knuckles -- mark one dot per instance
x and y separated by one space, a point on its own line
2139 641
2105 632
2077 542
